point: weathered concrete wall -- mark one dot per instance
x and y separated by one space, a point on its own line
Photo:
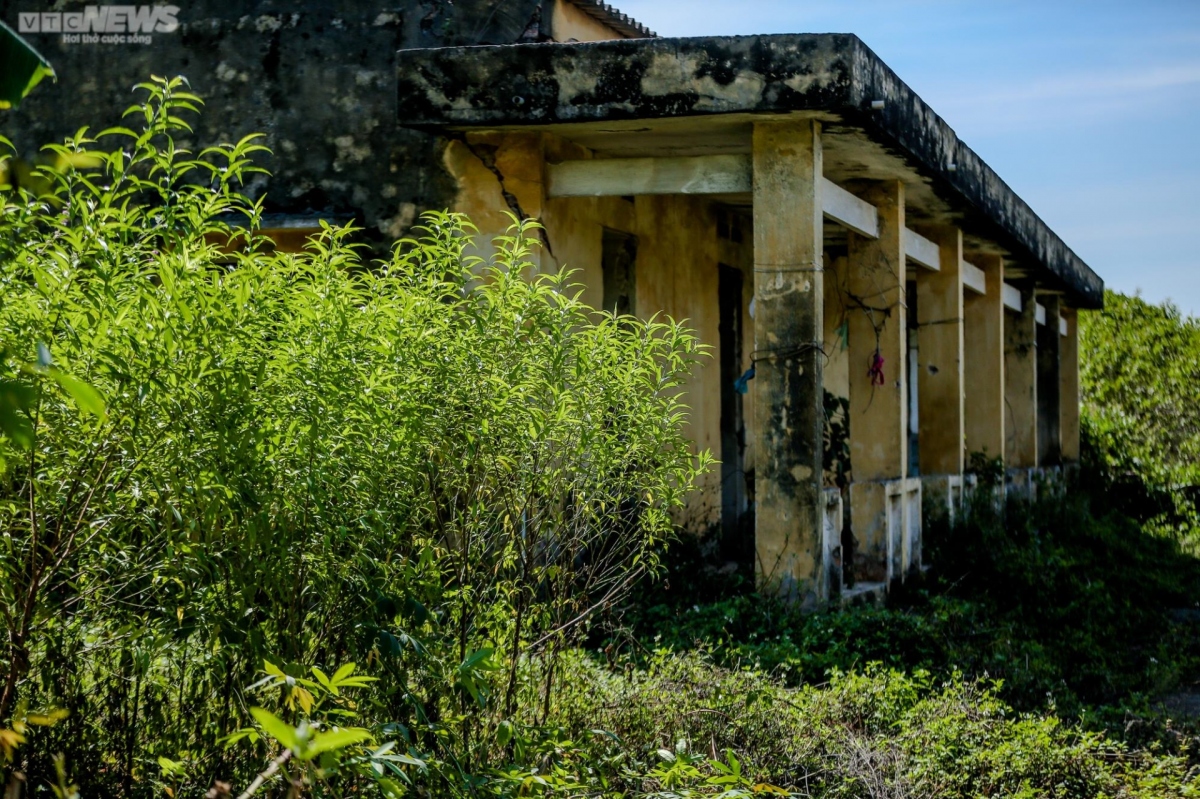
940 379
317 77
1069 388
983 368
1049 384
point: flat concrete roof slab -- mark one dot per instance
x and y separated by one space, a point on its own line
834 76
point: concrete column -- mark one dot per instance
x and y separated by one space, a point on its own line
1049 385
983 367
940 388
878 413
788 403
1020 384
1069 390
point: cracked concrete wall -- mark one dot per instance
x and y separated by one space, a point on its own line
317 77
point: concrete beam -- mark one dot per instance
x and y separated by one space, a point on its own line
849 211
940 390
701 174
921 250
878 416
983 371
616 177
1012 297
973 278
788 389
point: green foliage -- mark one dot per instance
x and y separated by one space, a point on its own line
1139 368
21 68
1062 604
437 467
878 732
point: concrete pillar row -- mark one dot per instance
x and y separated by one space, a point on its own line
788 398
876 315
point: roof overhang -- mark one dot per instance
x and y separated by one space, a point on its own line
702 95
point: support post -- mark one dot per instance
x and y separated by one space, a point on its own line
1049 385
1069 393
788 402
1020 383
878 403
983 371
940 388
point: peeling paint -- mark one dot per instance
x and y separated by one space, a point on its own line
801 473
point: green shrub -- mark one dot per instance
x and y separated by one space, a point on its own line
1063 604
433 466
1139 367
878 732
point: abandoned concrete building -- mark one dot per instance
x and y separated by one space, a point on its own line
879 303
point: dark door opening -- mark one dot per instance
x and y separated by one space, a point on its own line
618 257
736 528
1047 338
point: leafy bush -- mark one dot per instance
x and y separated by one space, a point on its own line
1063 604
874 733
433 466
1139 368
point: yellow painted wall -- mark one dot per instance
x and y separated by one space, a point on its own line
676 268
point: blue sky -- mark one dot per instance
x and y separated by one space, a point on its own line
1089 110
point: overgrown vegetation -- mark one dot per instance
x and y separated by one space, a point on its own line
1139 368
1066 607
309 525
303 460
